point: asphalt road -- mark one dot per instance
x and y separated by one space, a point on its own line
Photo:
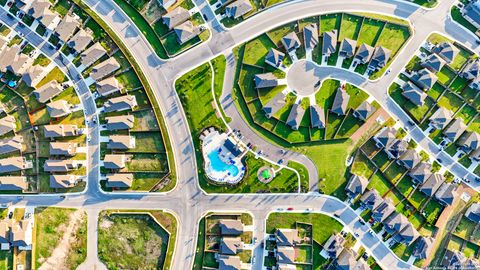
188 201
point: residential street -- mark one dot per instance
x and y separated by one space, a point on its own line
188 201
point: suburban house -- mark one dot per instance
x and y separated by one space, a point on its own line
120 122
385 208
423 247
63 181
12 183
364 111
471 13
291 42
340 102
104 69
347 48
13 60
329 44
454 130
410 159
317 116
446 194
55 131
274 58
114 161
285 255
67 27
4 235
385 137
310 36
286 237
238 8
265 80
121 142
347 260
59 108
473 212
424 79
108 86
432 184
80 41
230 245
446 51
18 233
14 164
186 31
226 262
47 91
356 185
421 172
122 103
453 260
7 124
469 142
396 148
295 116
414 94
230 227
10 145
380 58
175 17
472 72
63 148
34 74
334 245
119 180
408 235
40 10
274 105
364 53
92 55
52 165
395 223
433 63
371 199
440 118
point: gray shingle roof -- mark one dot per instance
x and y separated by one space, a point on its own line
421 172
123 142
265 80
238 8
470 141
186 31
441 118
230 226
380 213
286 237
454 129
395 223
114 161
62 181
230 245
424 79
229 263
58 108
471 70
274 105
371 199
385 136
329 44
414 94
63 148
310 35
356 185
295 116
317 116
408 235
10 145
473 212
433 63
432 184
291 42
108 86
380 57
447 51
7 124
347 47
13 183
119 180
120 122
92 54
274 57
340 102
364 53
80 40
446 193
410 159
423 247
52 165
364 111
122 103
67 27
397 148
175 17
47 91
104 69
54 131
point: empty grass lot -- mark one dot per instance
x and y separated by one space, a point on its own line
370 31
350 27
123 238
49 229
329 22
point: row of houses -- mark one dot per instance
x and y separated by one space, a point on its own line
13 234
230 244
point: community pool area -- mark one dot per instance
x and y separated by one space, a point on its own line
223 157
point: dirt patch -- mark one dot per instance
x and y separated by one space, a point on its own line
106 223
59 255
370 124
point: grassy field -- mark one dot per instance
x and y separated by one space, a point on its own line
123 238
49 229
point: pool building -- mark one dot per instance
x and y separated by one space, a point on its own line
223 157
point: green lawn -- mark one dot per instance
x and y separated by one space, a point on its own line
393 37
450 101
379 183
350 27
329 22
370 31
255 50
445 75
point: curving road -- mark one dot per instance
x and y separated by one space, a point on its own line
188 201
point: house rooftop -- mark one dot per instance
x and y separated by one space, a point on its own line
12 164
364 111
186 31
119 180
7 124
414 94
274 57
63 148
295 116
63 181
122 103
347 47
473 212
114 161
364 53
454 129
53 165
432 184
229 263
175 17
80 41
380 57
230 226
441 118
446 194
291 41
230 245
410 159
104 69
10 183
108 86
340 102
54 131
92 54
310 35
423 247
265 80
48 91
329 44
317 116
120 122
58 108
238 8
356 185
421 172
285 255
424 79
123 142
67 27
275 104
383 210
447 51
286 237
433 62
10 145
371 199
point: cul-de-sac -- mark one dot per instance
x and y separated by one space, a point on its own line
239 134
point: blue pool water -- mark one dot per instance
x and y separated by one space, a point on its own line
218 165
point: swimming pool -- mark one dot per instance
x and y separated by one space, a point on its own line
218 165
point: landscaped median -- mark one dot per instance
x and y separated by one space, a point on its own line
136 239
195 92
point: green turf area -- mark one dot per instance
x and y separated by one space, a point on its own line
379 183
329 22
257 49
362 166
122 238
370 31
50 226
350 27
